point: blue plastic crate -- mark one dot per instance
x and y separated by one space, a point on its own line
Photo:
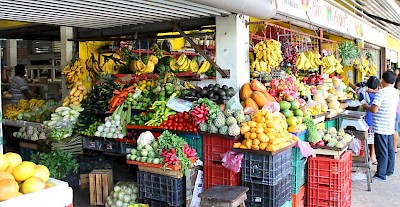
264 169
194 141
332 123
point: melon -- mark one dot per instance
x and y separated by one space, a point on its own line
318 98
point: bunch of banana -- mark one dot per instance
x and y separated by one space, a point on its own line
93 67
205 66
331 65
371 70
189 85
36 103
194 66
315 110
268 51
76 95
260 66
12 111
75 71
182 64
156 51
140 67
308 60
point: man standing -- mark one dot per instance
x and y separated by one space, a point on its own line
384 114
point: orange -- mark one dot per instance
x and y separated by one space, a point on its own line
42 172
32 185
24 171
14 159
8 189
3 162
6 175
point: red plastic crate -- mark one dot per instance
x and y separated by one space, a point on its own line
329 172
325 196
216 174
299 199
214 146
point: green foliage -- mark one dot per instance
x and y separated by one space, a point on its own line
59 162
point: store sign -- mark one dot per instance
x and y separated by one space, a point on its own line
322 14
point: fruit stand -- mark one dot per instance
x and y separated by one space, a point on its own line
152 110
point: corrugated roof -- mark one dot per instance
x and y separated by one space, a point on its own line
99 14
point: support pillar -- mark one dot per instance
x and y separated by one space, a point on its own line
12 54
67 52
232 49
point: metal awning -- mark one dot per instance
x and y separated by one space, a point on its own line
98 14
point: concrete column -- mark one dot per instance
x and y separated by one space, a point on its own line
11 52
67 52
232 49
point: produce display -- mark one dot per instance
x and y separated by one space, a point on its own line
294 115
131 134
289 55
112 128
268 56
217 93
120 96
266 131
254 96
332 138
365 66
33 133
123 194
140 119
15 112
76 71
63 121
204 111
91 130
308 60
19 177
227 122
169 149
181 122
146 64
76 95
331 65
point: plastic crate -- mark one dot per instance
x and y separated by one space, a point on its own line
297 156
299 199
26 153
87 164
298 177
161 188
154 203
287 204
301 135
332 123
260 195
268 170
92 143
325 196
216 174
214 146
117 147
330 172
196 142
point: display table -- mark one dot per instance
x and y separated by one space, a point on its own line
60 195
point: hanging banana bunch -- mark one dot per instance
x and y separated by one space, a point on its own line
268 56
75 71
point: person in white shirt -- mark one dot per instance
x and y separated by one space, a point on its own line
383 119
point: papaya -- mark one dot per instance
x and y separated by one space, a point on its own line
252 104
257 86
269 97
259 98
245 91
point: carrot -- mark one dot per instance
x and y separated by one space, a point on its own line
117 92
115 102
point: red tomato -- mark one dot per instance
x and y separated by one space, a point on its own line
181 120
186 116
179 128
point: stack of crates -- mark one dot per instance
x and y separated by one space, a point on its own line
268 178
329 181
161 190
298 170
194 141
214 173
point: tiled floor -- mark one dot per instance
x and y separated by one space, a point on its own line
383 194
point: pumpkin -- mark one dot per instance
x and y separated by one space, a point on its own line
8 189
269 97
245 91
251 103
259 98
257 85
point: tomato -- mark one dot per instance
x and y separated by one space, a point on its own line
176 119
179 128
174 128
181 120
186 117
195 129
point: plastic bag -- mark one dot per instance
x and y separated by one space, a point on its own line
305 148
179 105
232 161
234 103
272 107
355 147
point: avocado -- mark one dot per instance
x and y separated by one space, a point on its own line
221 92
211 95
217 85
225 87
211 86
203 92
215 89
224 98
216 97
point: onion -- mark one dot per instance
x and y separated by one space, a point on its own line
108 124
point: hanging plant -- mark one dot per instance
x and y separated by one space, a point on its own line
348 52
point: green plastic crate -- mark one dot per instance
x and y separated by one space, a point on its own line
298 176
287 204
194 141
332 123
296 156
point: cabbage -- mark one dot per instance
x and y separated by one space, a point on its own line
124 194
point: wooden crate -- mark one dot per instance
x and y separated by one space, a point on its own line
100 185
84 181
